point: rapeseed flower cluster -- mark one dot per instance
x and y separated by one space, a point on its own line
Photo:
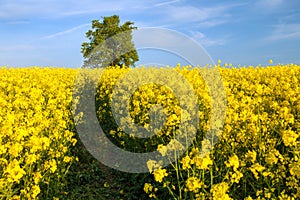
35 131
256 155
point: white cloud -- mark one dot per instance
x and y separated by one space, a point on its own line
193 14
166 3
56 8
23 9
167 12
171 41
198 35
270 6
65 32
207 42
17 22
269 3
201 16
285 31
213 22
93 7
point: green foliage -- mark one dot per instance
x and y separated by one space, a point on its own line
109 44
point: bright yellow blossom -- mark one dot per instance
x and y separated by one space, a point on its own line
193 184
186 162
251 155
162 149
289 138
260 135
159 174
219 191
233 162
14 172
202 163
256 168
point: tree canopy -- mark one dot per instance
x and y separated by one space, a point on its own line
110 44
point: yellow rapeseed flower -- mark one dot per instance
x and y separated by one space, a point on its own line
162 149
233 162
219 191
256 168
251 155
159 174
14 172
289 137
193 184
202 163
294 169
185 161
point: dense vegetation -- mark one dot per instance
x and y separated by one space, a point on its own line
255 157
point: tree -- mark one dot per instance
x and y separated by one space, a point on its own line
109 44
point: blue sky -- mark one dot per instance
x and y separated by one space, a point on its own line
50 32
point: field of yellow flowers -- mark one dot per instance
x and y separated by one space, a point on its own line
255 157
35 131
